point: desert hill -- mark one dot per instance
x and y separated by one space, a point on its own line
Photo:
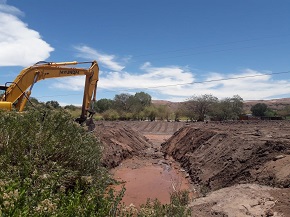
276 104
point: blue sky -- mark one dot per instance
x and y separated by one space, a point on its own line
152 46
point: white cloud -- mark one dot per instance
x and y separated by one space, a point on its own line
250 85
152 77
177 84
20 45
70 83
9 9
108 61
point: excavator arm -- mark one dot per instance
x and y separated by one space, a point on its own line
20 89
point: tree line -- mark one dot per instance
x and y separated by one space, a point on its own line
139 106
197 108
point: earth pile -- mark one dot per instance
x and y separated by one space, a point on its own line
218 156
119 142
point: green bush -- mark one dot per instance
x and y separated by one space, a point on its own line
49 165
111 115
153 208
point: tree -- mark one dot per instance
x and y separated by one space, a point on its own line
103 105
32 103
110 115
71 107
139 101
131 106
186 109
151 112
270 113
259 109
228 108
202 105
222 110
237 105
53 104
163 112
143 98
121 102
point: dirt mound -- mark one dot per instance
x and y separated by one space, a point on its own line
241 200
119 142
221 155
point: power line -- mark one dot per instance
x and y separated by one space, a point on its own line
208 81
181 84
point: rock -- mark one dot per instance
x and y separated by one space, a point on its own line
278 157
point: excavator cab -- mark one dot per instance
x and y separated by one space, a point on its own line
2 90
4 105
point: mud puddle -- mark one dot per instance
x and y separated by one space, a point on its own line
150 175
145 179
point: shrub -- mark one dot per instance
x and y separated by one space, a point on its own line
51 166
111 115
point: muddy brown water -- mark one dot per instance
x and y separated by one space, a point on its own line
145 179
151 177
146 174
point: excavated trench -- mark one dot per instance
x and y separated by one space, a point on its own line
232 156
136 161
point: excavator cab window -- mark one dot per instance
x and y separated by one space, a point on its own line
2 90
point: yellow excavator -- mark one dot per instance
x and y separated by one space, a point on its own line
16 93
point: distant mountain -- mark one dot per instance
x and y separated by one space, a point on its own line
276 104
172 105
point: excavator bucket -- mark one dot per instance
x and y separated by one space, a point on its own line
90 124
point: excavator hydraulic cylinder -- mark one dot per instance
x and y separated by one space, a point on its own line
6 106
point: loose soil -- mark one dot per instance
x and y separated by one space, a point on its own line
119 142
221 155
237 168
135 159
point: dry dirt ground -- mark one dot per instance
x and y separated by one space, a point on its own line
237 168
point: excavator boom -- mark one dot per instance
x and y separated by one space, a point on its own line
20 89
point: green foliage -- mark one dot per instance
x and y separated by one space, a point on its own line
227 109
122 102
151 112
177 206
163 112
52 104
103 105
51 166
128 106
71 107
259 109
270 113
140 101
201 105
111 115
34 103
237 105
197 107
